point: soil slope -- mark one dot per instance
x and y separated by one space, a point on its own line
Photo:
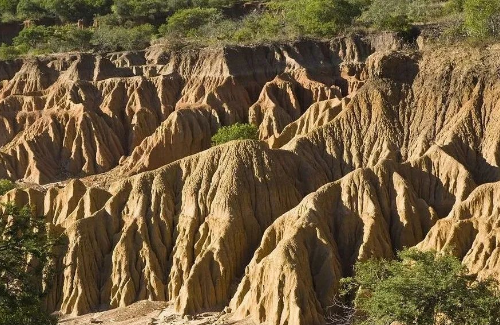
365 148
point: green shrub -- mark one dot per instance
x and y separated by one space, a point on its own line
109 20
398 15
5 186
454 6
423 288
396 23
175 5
455 32
422 11
361 4
259 27
319 17
33 37
236 131
41 39
26 248
188 22
482 17
8 17
382 14
8 6
140 9
70 38
214 3
31 9
9 53
255 27
220 31
73 10
107 38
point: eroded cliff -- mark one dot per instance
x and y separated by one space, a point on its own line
366 148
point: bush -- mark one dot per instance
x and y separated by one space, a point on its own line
259 27
422 11
140 9
26 253
398 15
107 38
400 24
41 39
383 13
175 5
236 131
108 20
187 22
5 186
422 288
70 38
361 4
482 17
73 10
31 9
454 6
8 6
33 37
214 3
8 53
255 27
320 17
455 32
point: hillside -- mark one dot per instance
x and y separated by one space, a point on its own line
366 147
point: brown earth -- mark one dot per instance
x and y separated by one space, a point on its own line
367 147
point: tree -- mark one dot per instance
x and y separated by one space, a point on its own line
187 22
482 17
25 252
33 37
139 9
73 10
214 3
387 14
320 17
8 53
123 38
68 38
399 15
236 131
259 27
423 288
6 185
8 6
31 9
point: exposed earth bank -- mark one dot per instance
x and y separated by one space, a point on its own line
367 146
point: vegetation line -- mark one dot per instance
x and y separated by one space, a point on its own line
112 25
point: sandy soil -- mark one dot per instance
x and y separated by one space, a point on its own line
150 313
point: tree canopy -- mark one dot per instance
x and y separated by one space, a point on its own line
424 288
25 254
320 17
482 17
5 186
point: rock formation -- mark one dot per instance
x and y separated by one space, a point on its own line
365 148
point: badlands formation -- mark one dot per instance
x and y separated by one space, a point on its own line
367 146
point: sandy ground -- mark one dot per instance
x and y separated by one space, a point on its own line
150 313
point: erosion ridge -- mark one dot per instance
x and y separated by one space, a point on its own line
375 148
94 111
